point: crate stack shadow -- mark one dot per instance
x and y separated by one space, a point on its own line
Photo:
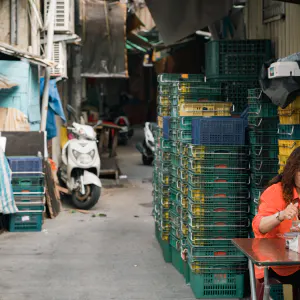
263 137
205 185
288 131
236 66
28 185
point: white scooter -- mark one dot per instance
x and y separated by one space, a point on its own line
147 148
81 166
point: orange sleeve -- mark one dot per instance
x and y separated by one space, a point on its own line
270 203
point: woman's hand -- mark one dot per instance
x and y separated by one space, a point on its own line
290 212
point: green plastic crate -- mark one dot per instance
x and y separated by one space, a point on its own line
217 264
264 165
215 152
276 292
171 78
218 218
217 286
263 138
31 208
288 132
236 92
216 232
256 94
213 248
25 222
177 261
217 204
236 60
199 165
263 124
197 195
164 110
203 178
253 207
264 151
28 184
262 110
184 136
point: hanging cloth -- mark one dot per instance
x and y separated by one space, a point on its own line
7 200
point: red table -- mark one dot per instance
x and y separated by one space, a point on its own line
266 253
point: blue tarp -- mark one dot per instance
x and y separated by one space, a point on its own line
54 108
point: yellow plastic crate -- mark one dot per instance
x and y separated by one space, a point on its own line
286 147
184 229
164 111
283 159
184 201
164 100
291 114
291 108
160 122
205 109
289 118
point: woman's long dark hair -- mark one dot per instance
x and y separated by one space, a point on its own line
287 177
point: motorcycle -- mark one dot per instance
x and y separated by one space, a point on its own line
147 148
126 132
81 165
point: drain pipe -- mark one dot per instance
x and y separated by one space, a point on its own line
49 47
13 22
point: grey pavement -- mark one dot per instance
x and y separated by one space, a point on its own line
87 257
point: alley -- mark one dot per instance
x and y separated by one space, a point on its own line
87 257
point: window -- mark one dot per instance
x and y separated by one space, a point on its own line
273 11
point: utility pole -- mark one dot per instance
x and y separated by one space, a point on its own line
50 33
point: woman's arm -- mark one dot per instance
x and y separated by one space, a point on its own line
270 222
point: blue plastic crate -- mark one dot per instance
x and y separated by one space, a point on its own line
25 165
166 127
25 222
218 131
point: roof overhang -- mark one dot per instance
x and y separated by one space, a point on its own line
177 19
34 59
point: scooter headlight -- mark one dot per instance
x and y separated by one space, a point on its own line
92 154
75 153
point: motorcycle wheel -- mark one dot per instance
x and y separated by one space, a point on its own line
88 200
147 161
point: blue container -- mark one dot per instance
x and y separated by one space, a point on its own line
166 127
26 165
218 131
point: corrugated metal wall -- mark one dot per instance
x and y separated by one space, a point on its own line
285 34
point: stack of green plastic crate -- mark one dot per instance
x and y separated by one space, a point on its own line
236 66
173 90
218 194
161 193
263 125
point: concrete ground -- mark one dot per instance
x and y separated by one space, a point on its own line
92 257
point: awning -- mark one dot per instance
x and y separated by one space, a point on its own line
5 83
34 59
177 19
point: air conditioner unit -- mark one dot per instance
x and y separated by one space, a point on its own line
64 15
59 56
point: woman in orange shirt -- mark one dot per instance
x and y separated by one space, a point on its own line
278 207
